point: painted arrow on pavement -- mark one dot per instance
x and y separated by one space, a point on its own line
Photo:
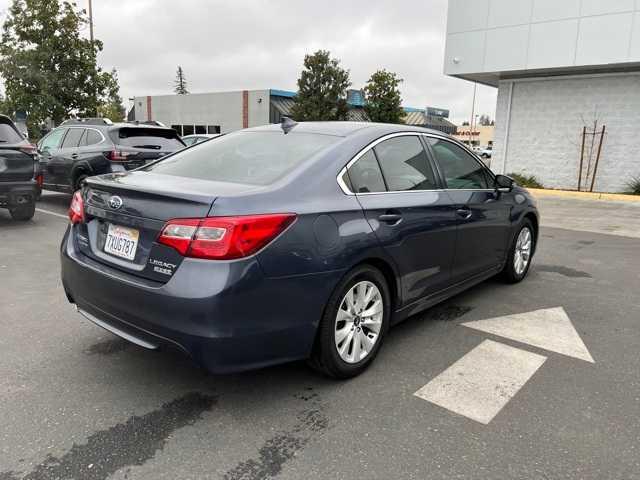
483 381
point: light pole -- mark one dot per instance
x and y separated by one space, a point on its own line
90 11
473 111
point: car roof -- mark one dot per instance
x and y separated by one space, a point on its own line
343 129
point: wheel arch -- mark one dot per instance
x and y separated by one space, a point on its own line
80 169
389 274
533 218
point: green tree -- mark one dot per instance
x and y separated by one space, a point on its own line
49 70
322 89
382 100
181 82
111 106
485 120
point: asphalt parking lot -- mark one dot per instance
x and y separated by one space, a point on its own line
77 402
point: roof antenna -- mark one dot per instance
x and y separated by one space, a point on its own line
287 124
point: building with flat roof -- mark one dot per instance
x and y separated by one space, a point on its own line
222 112
476 136
562 68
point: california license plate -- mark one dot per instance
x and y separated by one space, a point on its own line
122 241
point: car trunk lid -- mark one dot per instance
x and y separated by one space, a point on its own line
16 163
17 157
134 206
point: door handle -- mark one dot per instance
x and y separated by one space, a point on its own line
464 213
390 218
74 155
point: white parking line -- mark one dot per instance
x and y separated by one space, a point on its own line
482 382
52 213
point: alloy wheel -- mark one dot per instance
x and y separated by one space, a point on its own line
522 254
358 322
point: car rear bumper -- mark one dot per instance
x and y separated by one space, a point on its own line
13 194
226 315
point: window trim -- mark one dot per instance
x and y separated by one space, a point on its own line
345 189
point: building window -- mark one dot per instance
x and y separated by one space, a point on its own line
177 128
212 129
201 129
187 130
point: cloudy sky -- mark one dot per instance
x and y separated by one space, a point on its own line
247 44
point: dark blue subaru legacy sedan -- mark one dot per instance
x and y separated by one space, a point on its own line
300 241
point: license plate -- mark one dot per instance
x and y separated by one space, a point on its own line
121 241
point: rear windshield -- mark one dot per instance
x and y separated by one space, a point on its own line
148 138
8 134
254 158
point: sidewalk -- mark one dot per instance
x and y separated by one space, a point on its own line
616 197
597 213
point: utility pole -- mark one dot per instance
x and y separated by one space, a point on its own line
90 21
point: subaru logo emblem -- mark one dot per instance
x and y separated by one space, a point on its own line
115 202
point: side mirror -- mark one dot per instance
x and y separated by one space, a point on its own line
504 183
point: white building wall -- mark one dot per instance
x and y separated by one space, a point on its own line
486 36
220 108
547 117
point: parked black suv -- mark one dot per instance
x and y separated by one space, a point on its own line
81 148
19 172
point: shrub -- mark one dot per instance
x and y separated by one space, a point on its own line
633 186
526 181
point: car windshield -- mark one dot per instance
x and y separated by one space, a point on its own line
254 158
8 134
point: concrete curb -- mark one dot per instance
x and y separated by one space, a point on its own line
618 197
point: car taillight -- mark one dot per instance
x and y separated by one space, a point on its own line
76 209
223 238
119 155
39 180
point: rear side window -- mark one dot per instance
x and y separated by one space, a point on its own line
405 165
92 137
365 175
72 139
461 171
254 158
8 134
165 139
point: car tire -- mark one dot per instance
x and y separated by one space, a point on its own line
23 212
352 355
77 185
514 271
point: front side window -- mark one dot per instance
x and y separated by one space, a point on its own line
405 165
254 158
365 175
53 139
461 171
